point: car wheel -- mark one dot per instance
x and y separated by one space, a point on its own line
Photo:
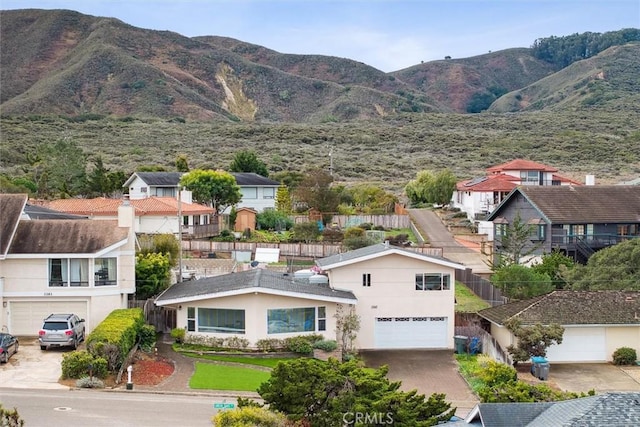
75 344
43 347
4 358
17 346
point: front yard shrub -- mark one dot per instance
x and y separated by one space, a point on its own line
250 416
299 345
520 391
178 334
270 344
494 373
109 352
78 364
10 417
204 341
330 235
147 337
326 345
89 382
236 343
625 356
120 328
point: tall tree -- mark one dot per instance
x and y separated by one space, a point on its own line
181 163
98 180
62 169
521 282
515 242
315 191
283 199
217 189
248 161
431 188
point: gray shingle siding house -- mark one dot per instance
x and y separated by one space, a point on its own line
575 220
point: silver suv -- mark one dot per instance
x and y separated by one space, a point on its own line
61 330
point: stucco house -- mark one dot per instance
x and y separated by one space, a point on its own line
405 299
596 322
574 220
62 266
256 304
258 192
153 215
479 196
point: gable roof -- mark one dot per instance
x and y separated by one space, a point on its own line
571 308
249 281
583 204
521 165
607 409
498 182
249 178
101 206
380 250
41 212
11 207
82 236
156 179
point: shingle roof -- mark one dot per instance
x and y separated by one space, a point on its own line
377 250
41 212
66 236
571 308
255 279
583 204
614 409
160 179
11 207
521 165
247 178
108 207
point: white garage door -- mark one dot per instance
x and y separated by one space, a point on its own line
25 317
580 345
411 332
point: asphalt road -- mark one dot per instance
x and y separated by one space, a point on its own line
64 408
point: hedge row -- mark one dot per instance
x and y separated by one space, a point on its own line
120 329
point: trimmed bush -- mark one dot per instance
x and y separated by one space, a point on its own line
625 356
299 345
120 328
77 364
250 416
494 373
237 343
89 382
270 344
147 336
326 345
178 334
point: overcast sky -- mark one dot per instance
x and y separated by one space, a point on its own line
387 34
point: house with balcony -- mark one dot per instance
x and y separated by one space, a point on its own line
575 220
479 196
62 265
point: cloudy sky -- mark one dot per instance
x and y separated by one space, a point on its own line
387 34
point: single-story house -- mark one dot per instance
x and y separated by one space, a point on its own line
607 409
596 323
405 299
154 215
256 304
62 266
577 221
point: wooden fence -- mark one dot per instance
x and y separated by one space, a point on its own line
481 287
346 221
302 250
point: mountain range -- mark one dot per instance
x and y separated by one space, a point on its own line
66 63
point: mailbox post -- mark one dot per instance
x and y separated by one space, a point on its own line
129 383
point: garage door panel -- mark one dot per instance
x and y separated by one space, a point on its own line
25 317
410 332
580 344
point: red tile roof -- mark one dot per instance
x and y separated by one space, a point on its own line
101 206
521 165
489 183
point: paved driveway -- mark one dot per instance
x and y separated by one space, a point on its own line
601 377
31 367
428 371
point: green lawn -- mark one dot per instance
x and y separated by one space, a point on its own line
209 376
467 301
257 361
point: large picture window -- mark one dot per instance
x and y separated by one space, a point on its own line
221 320
268 193
285 320
433 282
68 272
249 192
106 272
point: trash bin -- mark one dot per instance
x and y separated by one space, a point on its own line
475 345
536 363
543 371
461 343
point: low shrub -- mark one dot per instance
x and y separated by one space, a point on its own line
178 334
109 352
89 382
326 345
236 343
204 341
270 344
78 364
625 356
250 416
299 345
147 337
494 373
